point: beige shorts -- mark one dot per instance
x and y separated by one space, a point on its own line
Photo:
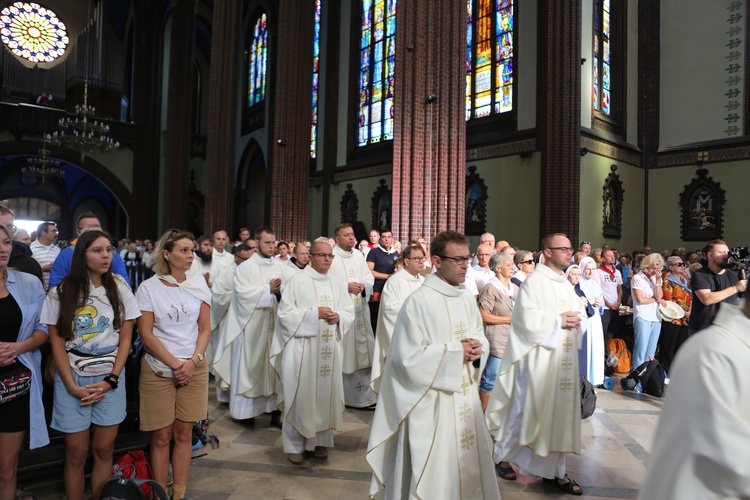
163 402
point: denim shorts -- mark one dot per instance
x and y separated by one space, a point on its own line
69 416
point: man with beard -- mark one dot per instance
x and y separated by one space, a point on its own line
711 284
314 315
204 258
357 348
241 361
300 259
534 412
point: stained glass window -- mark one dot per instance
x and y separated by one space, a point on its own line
257 64
377 69
489 57
33 32
602 68
315 82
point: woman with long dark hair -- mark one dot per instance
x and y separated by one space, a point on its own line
175 328
90 319
21 334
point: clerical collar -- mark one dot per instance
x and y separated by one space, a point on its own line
389 251
294 261
344 252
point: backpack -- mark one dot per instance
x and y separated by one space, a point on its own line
618 355
651 376
121 488
134 465
588 398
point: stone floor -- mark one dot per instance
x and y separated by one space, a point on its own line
250 463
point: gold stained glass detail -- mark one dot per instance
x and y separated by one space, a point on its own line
33 32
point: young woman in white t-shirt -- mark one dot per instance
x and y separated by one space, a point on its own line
90 318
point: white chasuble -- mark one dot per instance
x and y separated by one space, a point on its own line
241 359
357 348
306 352
701 445
428 437
534 412
395 291
221 297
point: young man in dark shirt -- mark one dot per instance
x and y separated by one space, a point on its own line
380 260
711 284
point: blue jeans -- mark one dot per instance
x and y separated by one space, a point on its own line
646 338
490 374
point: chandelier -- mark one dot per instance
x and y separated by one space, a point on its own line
83 133
43 167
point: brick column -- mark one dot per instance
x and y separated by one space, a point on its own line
559 115
292 120
429 150
649 61
146 105
222 122
179 114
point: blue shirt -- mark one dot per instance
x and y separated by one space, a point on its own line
29 294
61 267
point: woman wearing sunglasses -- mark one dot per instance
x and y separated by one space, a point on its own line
525 264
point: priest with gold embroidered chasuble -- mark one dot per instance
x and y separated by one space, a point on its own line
428 437
314 315
534 412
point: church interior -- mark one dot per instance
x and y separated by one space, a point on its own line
614 121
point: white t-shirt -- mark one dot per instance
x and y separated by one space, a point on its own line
93 332
175 315
44 254
648 312
609 286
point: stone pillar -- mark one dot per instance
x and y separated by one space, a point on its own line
146 105
559 115
179 114
429 150
222 120
290 140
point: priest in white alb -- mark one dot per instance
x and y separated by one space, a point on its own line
314 315
428 437
350 267
395 291
222 292
241 358
534 412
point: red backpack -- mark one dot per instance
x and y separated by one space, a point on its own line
134 465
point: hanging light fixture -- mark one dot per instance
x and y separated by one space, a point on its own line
43 167
84 133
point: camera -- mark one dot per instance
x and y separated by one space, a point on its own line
739 258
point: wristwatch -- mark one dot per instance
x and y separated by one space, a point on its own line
201 356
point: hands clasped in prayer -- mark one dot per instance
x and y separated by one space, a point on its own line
472 349
328 315
355 287
275 285
570 319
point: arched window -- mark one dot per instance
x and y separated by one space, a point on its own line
257 63
602 78
377 70
489 57
315 82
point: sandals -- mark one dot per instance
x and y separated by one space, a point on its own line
568 486
506 473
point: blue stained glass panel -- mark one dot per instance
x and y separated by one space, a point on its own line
257 60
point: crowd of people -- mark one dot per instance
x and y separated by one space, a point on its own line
486 347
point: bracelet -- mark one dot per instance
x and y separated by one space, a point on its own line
194 363
113 380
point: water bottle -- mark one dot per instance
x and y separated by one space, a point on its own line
638 387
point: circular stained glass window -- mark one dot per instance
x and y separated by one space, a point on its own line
33 32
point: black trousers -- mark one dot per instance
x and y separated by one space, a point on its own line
671 338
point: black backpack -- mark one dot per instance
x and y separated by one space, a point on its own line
122 488
588 398
651 376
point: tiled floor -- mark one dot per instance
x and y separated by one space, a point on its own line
250 463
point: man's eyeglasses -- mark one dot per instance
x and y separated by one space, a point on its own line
100 250
329 255
458 260
418 259
530 261
563 249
